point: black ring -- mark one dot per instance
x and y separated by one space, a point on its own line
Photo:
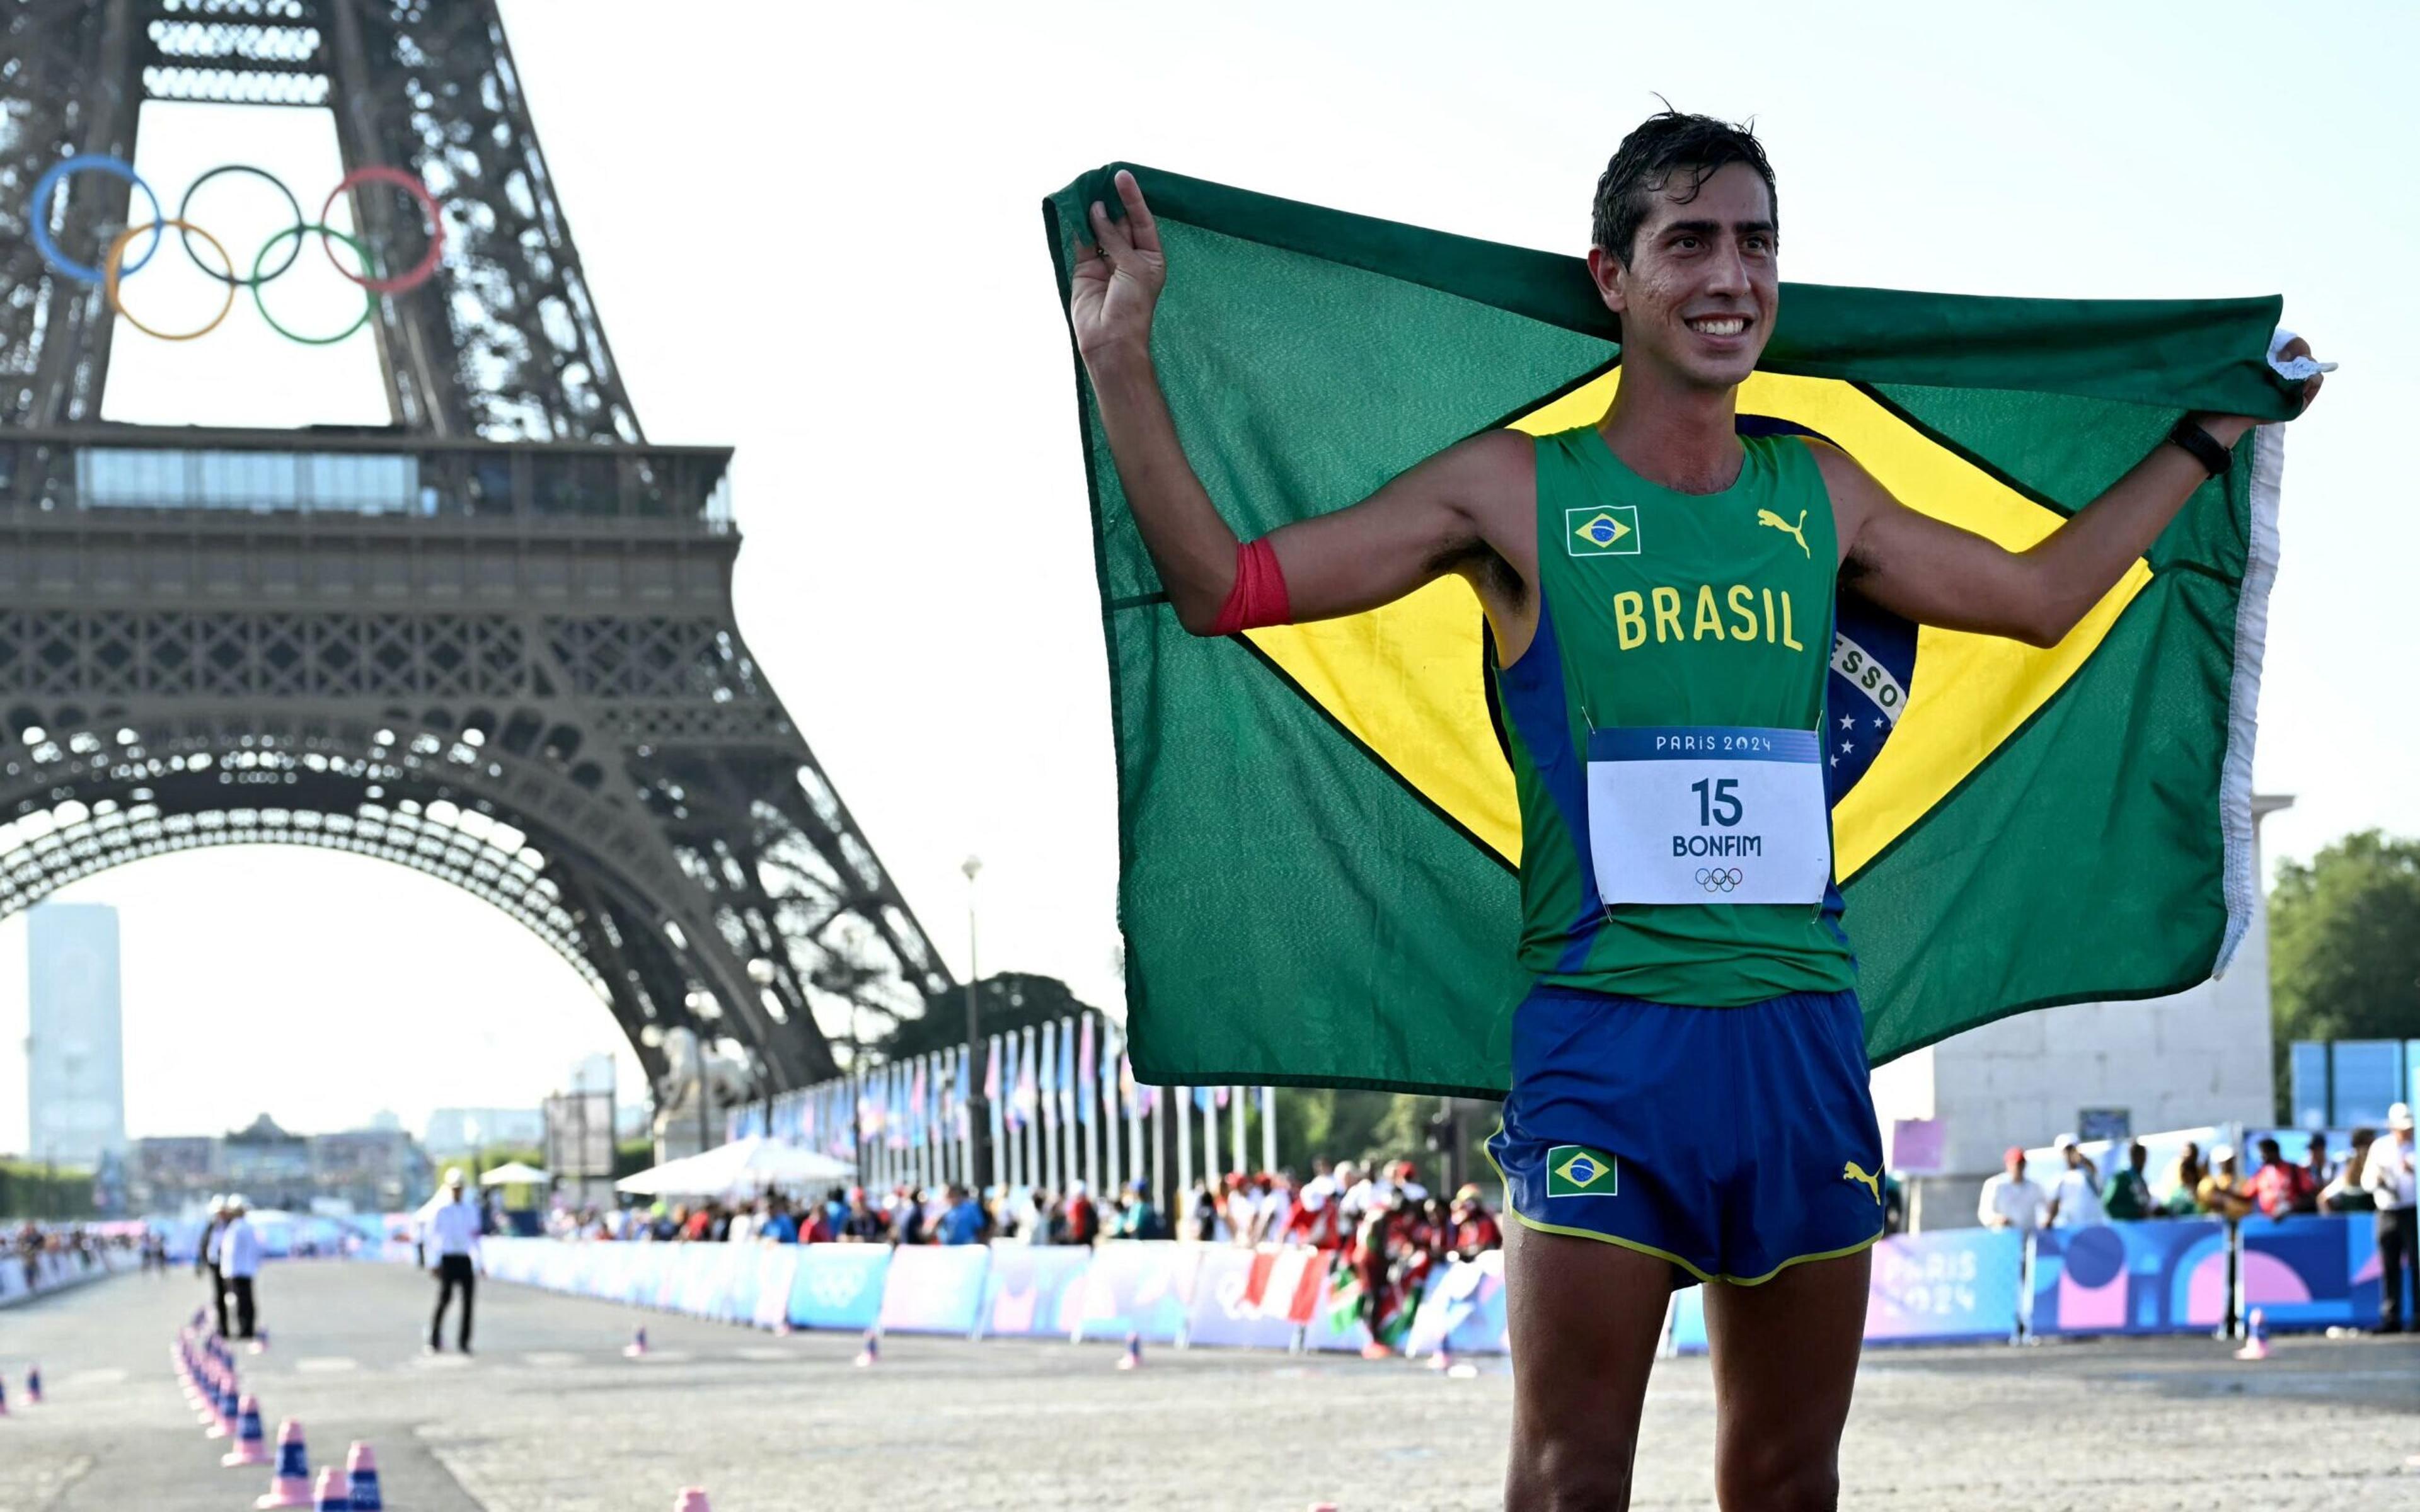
187 236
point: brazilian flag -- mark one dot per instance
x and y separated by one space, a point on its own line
1318 836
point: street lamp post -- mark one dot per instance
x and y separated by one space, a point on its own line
978 1129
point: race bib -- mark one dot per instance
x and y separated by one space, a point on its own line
1709 814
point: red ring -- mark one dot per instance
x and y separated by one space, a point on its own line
422 270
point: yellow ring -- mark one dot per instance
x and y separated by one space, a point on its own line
109 266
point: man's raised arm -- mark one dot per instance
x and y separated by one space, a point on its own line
1935 573
1421 524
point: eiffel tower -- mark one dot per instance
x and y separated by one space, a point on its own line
492 642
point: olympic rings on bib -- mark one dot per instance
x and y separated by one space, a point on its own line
113 267
111 275
1719 879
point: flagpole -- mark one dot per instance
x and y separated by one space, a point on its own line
1242 1160
1268 1128
1155 1128
1112 1124
1183 1108
1030 1081
977 1156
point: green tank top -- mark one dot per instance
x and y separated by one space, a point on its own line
1659 609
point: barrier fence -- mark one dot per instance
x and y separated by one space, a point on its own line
1059 1102
54 1271
1953 1285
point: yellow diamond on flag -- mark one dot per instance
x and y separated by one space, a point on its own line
1603 531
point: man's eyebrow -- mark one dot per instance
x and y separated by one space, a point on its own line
1700 228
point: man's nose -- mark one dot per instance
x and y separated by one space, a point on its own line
1729 272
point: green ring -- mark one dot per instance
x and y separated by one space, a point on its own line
299 230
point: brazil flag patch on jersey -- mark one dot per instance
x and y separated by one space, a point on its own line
1319 834
1577 1171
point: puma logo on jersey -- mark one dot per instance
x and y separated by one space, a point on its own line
1873 1181
1766 517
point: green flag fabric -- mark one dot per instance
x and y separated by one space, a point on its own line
1318 842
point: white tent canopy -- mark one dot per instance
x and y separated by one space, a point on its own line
514 1173
747 1164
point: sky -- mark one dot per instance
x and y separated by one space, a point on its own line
813 234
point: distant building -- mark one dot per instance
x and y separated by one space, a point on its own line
271 1167
170 1173
460 1131
75 1071
375 1170
368 1170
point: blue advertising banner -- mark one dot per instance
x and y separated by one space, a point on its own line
1219 1316
1950 1283
838 1286
2165 1275
1142 1286
1029 1291
1461 1308
933 1288
2305 1272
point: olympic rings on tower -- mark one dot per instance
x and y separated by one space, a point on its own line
115 269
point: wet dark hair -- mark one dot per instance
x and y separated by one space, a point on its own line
1663 146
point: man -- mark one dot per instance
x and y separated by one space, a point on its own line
2345 1194
2280 1187
2013 1200
965 1222
2387 1176
1622 1185
240 1261
206 1260
2321 1170
450 1225
2222 1193
2128 1195
2074 1200
1083 1220
1475 1230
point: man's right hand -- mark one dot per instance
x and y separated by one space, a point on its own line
1118 278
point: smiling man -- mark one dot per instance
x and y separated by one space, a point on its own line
1689 1098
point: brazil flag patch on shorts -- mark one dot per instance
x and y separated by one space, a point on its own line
1577 1171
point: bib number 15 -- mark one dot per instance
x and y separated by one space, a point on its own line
1717 801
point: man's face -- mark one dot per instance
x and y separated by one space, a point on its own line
2074 1156
2016 1166
1699 295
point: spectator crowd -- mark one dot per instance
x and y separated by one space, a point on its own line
2375 1176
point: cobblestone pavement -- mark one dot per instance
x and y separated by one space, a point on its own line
550 1417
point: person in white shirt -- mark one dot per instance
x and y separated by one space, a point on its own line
450 1232
240 1261
2075 1195
2010 1199
206 1261
2388 1177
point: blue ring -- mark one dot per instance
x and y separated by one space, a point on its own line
95 163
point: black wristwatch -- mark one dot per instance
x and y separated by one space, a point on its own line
2215 459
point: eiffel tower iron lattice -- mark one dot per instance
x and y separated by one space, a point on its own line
493 641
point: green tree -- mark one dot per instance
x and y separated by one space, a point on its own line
2343 945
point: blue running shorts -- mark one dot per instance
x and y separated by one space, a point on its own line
1729 1141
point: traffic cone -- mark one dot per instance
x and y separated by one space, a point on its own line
33 1385
360 1472
227 1422
290 1485
331 1495
638 1345
693 1499
2257 1346
871 1352
206 1405
249 1449
1132 1359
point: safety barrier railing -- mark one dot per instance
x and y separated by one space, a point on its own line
1955 1286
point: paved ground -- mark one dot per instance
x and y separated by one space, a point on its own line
551 1418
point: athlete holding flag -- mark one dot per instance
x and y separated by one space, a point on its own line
1689 1096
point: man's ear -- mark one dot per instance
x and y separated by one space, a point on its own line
1610 278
